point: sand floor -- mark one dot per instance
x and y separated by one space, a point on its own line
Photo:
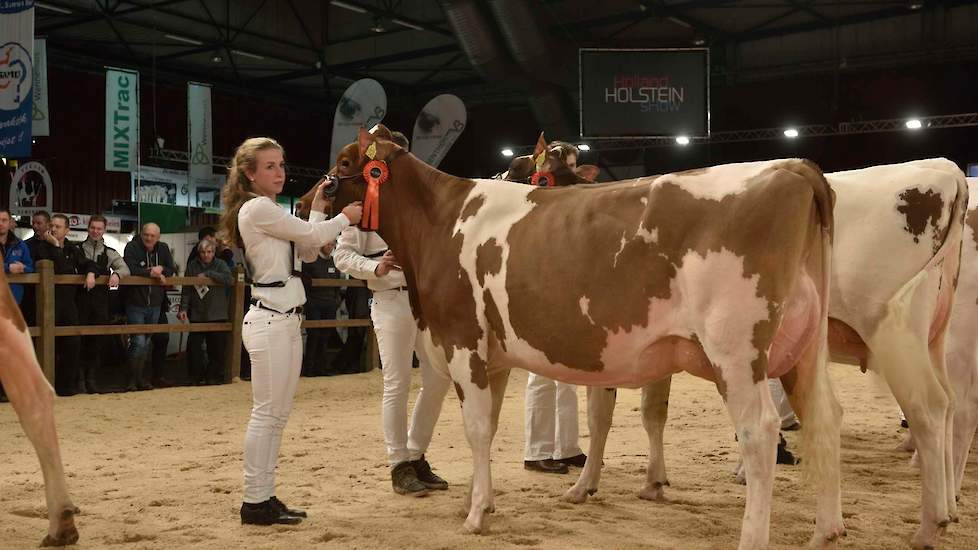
162 470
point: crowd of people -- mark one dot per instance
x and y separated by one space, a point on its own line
102 363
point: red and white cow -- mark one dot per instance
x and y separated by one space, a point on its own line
898 234
33 400
722 272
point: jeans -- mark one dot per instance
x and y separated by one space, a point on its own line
139 343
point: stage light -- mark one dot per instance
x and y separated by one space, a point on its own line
682 140
913 124
584 147
507 152
791 133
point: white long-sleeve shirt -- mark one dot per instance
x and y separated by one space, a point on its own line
350 257
266 231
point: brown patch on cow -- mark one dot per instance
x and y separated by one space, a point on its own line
971 220
494 319
9 310
480 376
472 207
921 208
592 220
459 392
488 260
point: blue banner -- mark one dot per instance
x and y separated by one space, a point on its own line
16 77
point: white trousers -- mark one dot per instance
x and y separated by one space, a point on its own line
551 419
274 342
397 338
781 403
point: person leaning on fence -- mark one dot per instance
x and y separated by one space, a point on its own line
271 330
40 222
68 260
93 300
146 257
206 304
15 253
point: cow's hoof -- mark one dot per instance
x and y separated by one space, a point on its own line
67 533
575 496
656 492
828 539
476 527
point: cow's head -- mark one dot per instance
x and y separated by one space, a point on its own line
548 167
344 174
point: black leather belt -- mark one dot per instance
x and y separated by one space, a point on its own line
296 309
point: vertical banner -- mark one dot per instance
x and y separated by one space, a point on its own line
16 76
438 126
199 142
41 125
121 120
364 104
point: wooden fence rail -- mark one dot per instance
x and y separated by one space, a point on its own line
46 331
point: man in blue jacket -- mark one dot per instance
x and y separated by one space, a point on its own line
16 256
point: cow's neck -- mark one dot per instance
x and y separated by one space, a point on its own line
419 207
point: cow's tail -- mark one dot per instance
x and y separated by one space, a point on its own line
822 416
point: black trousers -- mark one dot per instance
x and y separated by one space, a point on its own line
207 367
66 348
315 360
93 309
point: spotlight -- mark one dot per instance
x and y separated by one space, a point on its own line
507 152
913 124
682 140
217 59
584 147
791 133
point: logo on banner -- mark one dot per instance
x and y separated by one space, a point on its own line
200 154
30 189
16 76
653 93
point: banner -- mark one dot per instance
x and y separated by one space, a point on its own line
30 190
644 93
168 186
121 120
438 126
363 104
16 77
40 123
199 142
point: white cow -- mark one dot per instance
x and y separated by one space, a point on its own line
898 234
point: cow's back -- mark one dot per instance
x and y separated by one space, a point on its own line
891 221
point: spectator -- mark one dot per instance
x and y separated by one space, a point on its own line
146 257
15 253
41 222
93 300
68 260
321 303
210 234
204 304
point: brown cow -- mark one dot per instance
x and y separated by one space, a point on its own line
722 272
33 400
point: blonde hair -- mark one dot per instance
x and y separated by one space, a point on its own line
238 188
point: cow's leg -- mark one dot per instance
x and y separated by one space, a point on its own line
756 423
963 371
469 373
33 401
938 357
600 410
906 367
810 392
655 411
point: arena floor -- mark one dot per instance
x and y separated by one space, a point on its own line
162 469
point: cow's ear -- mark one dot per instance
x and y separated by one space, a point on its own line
382 131
587 171
364 141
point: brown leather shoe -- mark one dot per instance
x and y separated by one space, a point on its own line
547 466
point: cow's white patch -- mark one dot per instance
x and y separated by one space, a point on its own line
644 201
585 308
719 181
621 248
648 236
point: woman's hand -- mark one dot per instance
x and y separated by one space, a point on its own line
388 263
354 211
320 203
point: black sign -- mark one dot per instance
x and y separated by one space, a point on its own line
644 93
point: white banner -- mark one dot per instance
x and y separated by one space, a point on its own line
31 190
168 186
363 104
438 126
121 120
16 77
40 123
199 142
